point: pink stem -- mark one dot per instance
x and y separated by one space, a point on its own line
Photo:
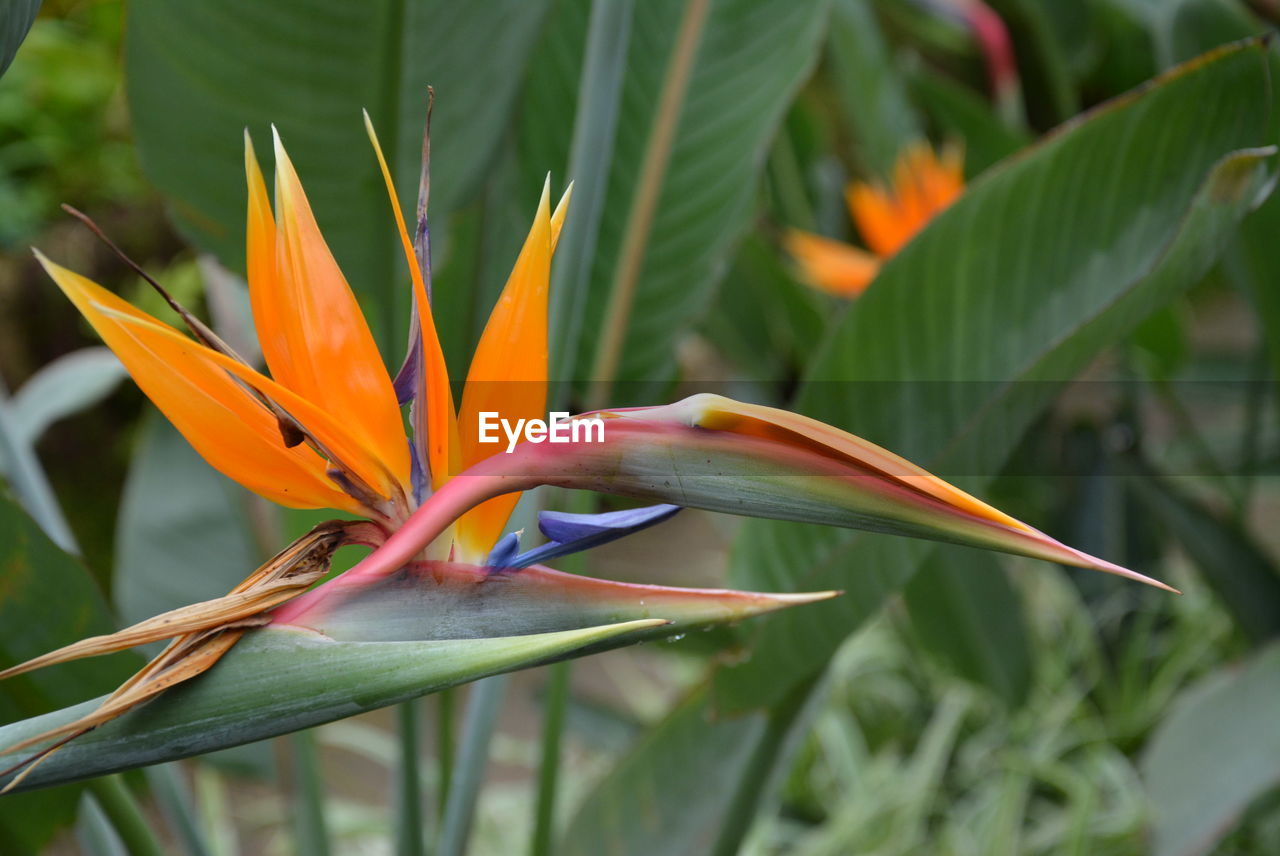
431 519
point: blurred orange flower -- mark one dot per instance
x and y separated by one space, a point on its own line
924 183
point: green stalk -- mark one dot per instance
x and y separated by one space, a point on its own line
749 791
481 719
554 706
590 153
122 810
447 703
409 826
644 204
94 833
309 826
171 793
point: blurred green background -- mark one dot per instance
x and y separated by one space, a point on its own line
1090 339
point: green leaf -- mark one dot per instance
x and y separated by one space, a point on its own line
1180 29
200 72
870 88
182 535
657 799
767 324
69 384
15 20
1233 565
47 599
965 613
760 52
967 333
1218 749
961 113
279 680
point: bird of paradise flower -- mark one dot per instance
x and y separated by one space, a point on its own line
924 184
326 430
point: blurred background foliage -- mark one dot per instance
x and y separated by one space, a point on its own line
951 702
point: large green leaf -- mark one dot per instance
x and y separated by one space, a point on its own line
630 812
968 332
426 627
47 599
751 58
280 680
200 72
1218 750
1229 559
182 535
967 614
16 17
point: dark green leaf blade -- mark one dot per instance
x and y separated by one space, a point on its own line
967 614
1217 750
15 20
310 70
279 680
47 599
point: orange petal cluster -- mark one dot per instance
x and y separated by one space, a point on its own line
326 372
924 183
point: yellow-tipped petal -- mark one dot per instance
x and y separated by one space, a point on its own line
725 414
441 418
315 338
831 266
557 216
330 433
222 421
508 371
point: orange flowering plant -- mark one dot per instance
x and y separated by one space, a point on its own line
325 429
923 185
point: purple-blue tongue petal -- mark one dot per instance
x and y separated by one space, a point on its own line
571 533
504 552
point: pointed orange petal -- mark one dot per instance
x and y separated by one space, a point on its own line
328 356
224 423
331 433
831 266
508 372
877 217
440 424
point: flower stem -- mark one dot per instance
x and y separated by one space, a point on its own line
554 705
308 819
481 718
122 810
409 827
447 701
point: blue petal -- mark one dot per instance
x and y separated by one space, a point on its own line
572 533
406 380
417 475
504 552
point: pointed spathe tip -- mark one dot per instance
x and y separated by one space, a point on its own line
1120 571
798 598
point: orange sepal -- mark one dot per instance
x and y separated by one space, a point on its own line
923 185
441 422
230 429
508 372
314 336
831 266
